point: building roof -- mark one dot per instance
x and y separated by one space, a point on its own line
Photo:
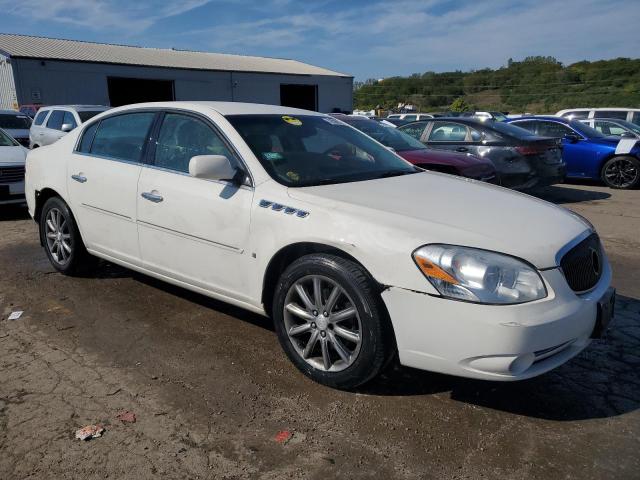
25 46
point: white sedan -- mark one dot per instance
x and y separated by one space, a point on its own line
12 161
356 254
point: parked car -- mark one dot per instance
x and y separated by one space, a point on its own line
409 117
396 121
497 116
355 253
30 110
522 160
413 151
612 127
629 114
16 125
54 122
588 153
12 160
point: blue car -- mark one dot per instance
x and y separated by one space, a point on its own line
588 153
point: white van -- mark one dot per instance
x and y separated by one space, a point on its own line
629 114
53 123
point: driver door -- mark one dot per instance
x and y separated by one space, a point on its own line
191 229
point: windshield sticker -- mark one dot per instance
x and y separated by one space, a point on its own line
271 156
625 145
332 121
292 121
293 176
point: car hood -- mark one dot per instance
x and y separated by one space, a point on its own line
13 155
409 211
440 157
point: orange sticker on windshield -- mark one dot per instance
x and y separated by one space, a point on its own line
291 120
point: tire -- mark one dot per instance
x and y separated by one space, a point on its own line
353 339
621 172
61 239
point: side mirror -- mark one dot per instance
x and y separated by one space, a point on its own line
66 127
571 138
212 167
628 135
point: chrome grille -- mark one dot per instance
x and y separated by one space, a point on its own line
582 265
11 174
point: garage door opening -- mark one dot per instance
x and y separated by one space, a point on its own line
123 91
299 96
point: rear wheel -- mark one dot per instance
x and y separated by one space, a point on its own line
61 238
330 321
621 172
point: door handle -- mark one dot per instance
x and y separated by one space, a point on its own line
462 149
152 197
79 178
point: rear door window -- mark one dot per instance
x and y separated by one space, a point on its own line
123 137
55 120
609 128
553 129
610 114
414 129
448 132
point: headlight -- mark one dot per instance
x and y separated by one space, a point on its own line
478 275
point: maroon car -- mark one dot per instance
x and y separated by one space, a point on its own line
415 152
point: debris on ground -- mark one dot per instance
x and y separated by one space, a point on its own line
283 436
89 432
15 315
126 417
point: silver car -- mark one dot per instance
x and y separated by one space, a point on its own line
54 122
16 124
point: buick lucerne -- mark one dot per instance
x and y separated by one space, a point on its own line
355 254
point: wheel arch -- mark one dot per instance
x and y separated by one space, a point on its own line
290 253
41 198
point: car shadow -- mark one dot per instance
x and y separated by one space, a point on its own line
14 212
602 381
560 194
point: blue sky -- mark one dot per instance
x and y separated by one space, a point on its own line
365 38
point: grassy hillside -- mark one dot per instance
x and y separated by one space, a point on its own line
535 85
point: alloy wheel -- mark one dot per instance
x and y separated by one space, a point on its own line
322 323
58 236
621 173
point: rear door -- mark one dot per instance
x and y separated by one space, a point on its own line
102 180
191 229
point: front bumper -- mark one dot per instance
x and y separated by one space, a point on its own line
12 193
494 342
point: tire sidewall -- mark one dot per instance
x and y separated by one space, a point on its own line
633 160
76 241
372 353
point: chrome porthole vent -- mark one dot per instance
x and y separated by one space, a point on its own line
278 207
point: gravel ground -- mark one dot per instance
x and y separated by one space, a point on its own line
213 393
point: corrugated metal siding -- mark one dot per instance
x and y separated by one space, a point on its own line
56 49
8 97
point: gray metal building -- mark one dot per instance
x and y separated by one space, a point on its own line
38 70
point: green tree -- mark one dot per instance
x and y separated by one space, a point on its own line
460 105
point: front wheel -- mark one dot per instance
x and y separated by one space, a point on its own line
331 322
61 238
621 172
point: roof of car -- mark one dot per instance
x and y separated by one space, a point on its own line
225 108
78 108
9 111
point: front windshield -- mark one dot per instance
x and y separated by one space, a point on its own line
15 121
306 150
6 140
585 130
388 136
